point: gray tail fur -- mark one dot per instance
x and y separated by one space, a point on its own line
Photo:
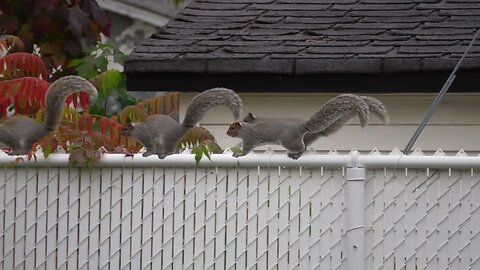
57 94
377 107
208 99
335 109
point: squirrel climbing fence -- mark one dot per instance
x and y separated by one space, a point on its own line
261 211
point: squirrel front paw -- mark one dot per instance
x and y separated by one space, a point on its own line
238 155
146 154
295 155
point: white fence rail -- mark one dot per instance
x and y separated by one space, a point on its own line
257 212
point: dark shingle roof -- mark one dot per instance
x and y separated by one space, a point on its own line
314 43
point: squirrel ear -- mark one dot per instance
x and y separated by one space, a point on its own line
131 124
240 123
249 118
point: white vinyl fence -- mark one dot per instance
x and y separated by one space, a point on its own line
262 211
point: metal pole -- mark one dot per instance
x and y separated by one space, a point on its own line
355 218
439 97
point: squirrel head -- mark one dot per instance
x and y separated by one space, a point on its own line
128 129
234 129
249 118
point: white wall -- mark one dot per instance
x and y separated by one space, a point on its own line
455 125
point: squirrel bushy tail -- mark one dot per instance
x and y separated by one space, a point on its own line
336 108
57 94
208 99
377 107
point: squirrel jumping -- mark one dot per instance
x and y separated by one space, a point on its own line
295 134
160 133
21 132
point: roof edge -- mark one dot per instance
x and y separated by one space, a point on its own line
466 81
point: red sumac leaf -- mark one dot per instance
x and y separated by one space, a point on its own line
18 65
103 125
84 100
164 104
172 104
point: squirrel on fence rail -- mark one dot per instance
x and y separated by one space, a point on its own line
295 135
21 132
160 133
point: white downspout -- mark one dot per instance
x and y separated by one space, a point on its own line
355 216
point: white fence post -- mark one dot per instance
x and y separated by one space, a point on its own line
355 218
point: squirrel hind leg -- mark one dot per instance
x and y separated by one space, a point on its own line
20 148
162 155
295 149
18 152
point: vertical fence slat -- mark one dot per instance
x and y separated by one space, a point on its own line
9 227
283 219
294 207
116 188
475 230
105 216
190 216
137 208
31 217
63 217
465 218
242 218
400 205
52 206
159 183
209 247
442 226
304 212
200 219
411 212
231 217
262 234
147 218
20 217
220 217
94 218
41 231
252 217
84 219
388 221
326 218
272 215
168 218
315 186
126 218
178 217
73 217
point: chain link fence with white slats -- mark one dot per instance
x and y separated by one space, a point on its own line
268 213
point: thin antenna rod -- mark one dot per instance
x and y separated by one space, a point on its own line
439 97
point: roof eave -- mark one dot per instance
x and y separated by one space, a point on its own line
429 81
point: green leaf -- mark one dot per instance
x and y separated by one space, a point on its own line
198 155
47 150
236 150
100 63
76 62
206 151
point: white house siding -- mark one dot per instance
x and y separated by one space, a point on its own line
455 124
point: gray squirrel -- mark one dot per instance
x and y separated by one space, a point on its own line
295 135
21 132
160 133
